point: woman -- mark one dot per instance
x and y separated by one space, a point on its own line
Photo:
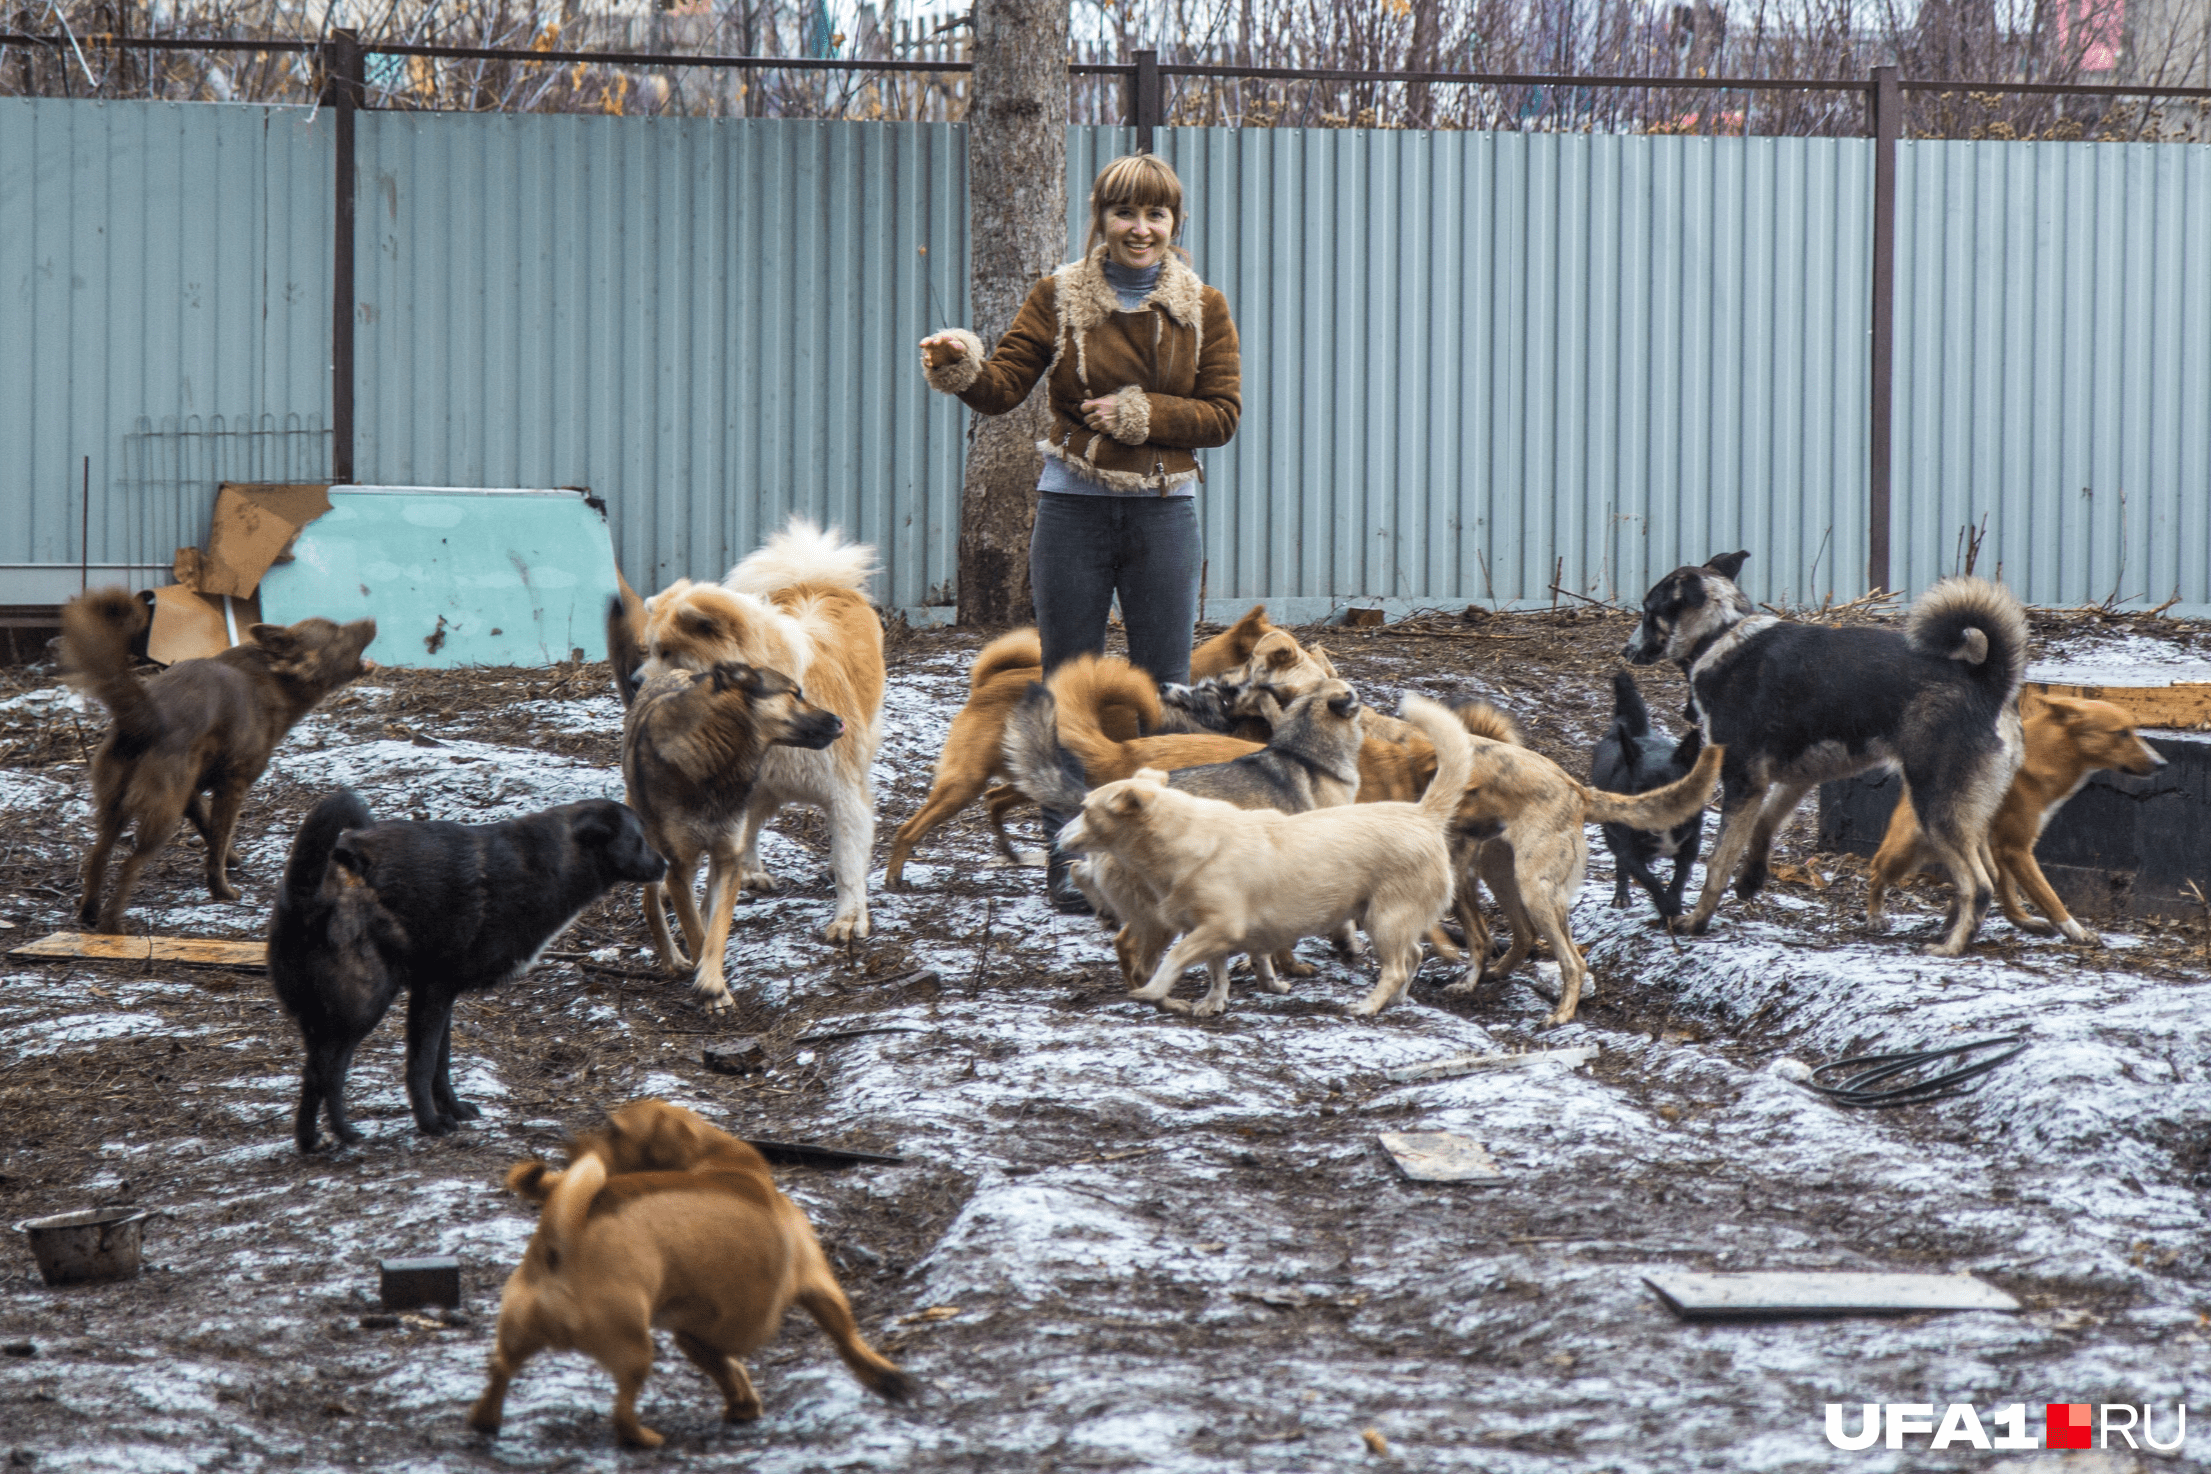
1141 368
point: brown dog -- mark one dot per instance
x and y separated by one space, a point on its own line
201 726
2067 738
1519 829
706 1248
796 605
693 744
995 683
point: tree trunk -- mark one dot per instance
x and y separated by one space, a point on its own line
1017 231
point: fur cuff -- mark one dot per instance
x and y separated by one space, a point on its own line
1132 415
953 378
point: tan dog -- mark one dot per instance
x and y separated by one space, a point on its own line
2067 738
1254 880
200 727
796 606
1396 763
996 682
1519 828
693 744
713 1253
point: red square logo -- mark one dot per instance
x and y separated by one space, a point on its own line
2065 1425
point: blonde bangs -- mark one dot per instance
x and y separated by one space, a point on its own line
1141 180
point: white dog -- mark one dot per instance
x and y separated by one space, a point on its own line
1256 880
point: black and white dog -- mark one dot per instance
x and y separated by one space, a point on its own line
1798 704
432 909
1631 758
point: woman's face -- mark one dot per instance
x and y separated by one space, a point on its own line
1137 235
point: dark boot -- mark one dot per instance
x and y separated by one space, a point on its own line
1059 883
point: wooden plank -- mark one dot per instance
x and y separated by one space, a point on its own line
1719 1296
2181 706
1440 1156
1467 1064
192 951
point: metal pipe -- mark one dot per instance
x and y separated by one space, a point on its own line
1888 111
344 85
1146 105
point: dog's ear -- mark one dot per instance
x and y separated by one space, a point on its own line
1320 658
277 639
1728 565
598 825
1128 801
1689 747
735 675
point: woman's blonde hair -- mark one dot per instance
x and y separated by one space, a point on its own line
1142 180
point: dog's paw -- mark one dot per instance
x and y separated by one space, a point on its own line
483 1421
2075 932
637 1435
753 878
845 930
222 890
1208 1007
463 1111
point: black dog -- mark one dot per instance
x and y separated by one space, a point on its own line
1797 705
1630 759
435 910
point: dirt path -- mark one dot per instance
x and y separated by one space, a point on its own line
1120 1240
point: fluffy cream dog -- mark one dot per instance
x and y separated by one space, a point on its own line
1254 880
796 606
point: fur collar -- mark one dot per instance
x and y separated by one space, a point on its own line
1086 298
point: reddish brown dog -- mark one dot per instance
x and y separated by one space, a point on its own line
661 1220
200 727
2067 738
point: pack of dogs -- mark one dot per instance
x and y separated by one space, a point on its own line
1260 805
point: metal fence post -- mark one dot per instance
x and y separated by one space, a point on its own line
1146 103
1887 102
344 85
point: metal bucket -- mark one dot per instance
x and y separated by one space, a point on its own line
85 1248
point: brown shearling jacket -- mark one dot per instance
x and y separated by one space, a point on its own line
1171 367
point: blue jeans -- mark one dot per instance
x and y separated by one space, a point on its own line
1088 548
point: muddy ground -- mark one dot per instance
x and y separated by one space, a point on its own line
1119 1239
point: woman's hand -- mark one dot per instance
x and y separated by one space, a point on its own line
939 350
1101 415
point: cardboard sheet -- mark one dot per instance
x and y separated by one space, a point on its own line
1440 1156
1700 1296
189 626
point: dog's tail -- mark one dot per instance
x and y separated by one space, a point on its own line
96 633
569 1203
311 847
803 553
1629 713
1662 808
1012 650
1088 686
1480 719
1454 755
1036 763
625 646
1976 622
1232 646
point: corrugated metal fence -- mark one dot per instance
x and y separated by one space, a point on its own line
2053 367
1473 361
165 311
